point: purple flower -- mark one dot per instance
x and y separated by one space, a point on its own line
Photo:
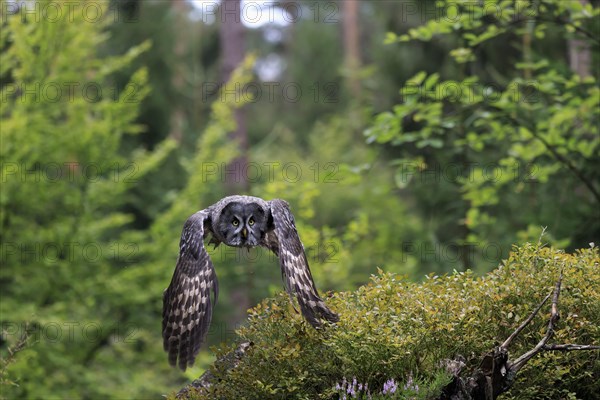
352 388
411 385
389 387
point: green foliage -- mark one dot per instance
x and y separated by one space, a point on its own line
393 329
69 276
501 143
78 279
344 243
95 188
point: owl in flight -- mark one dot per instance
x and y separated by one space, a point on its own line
238 221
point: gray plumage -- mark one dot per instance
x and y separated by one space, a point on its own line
238 221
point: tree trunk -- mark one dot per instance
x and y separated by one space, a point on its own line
232 54
232 35
580 56
351 38
177 119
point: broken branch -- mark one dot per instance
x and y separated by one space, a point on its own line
554 317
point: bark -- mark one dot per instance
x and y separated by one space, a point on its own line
232 52
497 372
177 119
580 55
232 42
352 44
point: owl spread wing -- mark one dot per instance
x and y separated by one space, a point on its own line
285 243
187 305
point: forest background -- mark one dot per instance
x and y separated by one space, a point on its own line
414 137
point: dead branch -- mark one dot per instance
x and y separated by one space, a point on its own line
227 362
554 317
508 341
497 373
570 347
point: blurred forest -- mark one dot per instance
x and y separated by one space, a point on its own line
410 136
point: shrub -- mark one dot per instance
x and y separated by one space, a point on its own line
396 334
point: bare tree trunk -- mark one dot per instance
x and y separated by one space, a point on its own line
352 44
527 54
177 114
580 55
232 35
232 53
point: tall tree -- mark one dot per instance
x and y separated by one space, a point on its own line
351 44
580 56
69 256
232 36
177 114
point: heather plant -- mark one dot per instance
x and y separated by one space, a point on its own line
392 389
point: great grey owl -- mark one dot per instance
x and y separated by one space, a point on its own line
239 221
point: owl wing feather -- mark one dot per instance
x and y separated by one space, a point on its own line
187 305
284 241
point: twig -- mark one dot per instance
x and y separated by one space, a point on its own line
570 347
496 373
579 29
12 352
227 362
569 164
554 317
508 341
559 157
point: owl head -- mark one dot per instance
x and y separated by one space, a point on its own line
242 224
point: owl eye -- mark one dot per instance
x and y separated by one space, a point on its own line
235 222
251 221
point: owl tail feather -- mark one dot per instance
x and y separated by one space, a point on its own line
315 310
326 313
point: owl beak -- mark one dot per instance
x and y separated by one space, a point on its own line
244 233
